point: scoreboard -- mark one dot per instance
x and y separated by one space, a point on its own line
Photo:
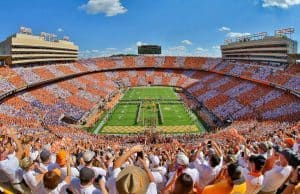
149 49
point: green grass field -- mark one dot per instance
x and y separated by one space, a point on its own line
171 117
150 92
175 114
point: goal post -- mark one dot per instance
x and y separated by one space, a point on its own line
160 114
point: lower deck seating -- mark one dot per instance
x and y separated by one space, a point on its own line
227 97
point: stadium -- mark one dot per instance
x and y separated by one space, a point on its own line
184 110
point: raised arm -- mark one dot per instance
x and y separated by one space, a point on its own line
150 175
122 159
102 187
169 186
217 148
69 172
200 148
19 149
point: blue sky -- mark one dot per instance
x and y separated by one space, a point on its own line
182 27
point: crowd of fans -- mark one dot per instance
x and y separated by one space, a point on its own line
225 97
247 157
22 75
288 78
252 158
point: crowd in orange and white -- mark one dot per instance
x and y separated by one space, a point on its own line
40 154
225 97
247 157
20 76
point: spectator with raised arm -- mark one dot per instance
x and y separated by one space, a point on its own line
141 181
9 161
234 183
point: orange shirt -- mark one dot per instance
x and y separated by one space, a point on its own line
239 189
224 187
269 164
5 191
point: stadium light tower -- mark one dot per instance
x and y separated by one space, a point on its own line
43 34
25 30
228 41
66 38
22 30
260 35
285 31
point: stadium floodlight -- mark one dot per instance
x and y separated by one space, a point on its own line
22 29
260 35
29 31
66 38
284 31
52 37
25 30
43 34
227 41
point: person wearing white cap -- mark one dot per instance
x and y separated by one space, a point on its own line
209 169
88 157
182 163
45 158
157 171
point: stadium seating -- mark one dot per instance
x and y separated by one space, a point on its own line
87 85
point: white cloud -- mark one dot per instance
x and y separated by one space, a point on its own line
217 47
224 29
60 30
140 43
109 7
178 48
187 42
280 3
111 49
237 34
175 51
128 49
199 49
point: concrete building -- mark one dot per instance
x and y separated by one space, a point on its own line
25 48
276 49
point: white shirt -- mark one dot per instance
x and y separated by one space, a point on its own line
10 167
275 177
254 183
159 178
111 184
242 162
190 171
48 167
3 177
97 170
60 189
34 154
30 180
207 173
296 147
79 189
74 172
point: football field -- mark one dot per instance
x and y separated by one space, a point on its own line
142 108
150 93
